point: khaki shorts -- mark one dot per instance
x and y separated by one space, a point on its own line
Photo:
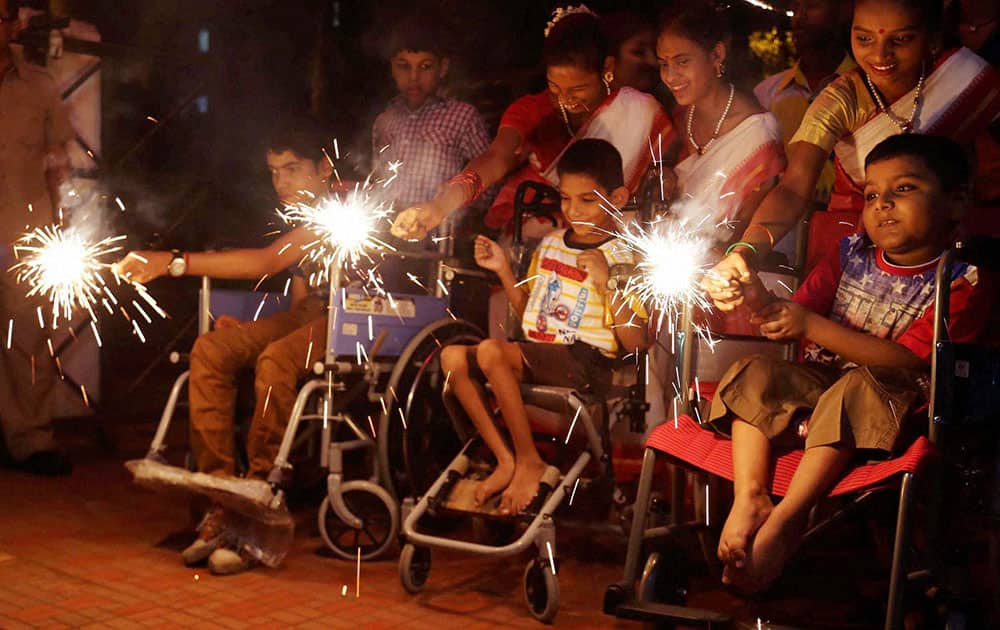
579 366
864 407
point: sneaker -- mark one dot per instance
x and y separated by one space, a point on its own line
210 536
226 561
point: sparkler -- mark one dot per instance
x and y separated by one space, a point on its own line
69 269
345 225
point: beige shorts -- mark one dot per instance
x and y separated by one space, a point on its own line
863 407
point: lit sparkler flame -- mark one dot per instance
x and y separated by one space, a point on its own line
68 270
345 224
671 256
63 267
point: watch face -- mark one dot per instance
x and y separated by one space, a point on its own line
176 267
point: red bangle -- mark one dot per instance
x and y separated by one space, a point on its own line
471 181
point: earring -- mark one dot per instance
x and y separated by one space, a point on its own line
609 77
607 86
565 116
720 70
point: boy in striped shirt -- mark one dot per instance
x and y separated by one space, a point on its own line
574 325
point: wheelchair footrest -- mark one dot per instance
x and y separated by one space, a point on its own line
652 611
462 497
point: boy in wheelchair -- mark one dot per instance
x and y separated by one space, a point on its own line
866 316
575 326
276 346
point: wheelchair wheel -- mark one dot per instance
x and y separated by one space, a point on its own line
414 567
665 578
379 516
541 590
410 458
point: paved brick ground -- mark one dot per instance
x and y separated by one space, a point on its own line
93 551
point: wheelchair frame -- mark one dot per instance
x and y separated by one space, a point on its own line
355 515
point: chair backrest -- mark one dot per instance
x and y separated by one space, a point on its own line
243 305
363 317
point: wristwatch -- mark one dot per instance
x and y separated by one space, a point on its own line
178 264
618 276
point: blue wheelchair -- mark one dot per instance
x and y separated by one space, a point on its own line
368 395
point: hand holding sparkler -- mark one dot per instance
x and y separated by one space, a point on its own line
416 222
782 319
596 265
726 282
143 266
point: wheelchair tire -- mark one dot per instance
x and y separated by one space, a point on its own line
411 458
414 568
541 590
378 513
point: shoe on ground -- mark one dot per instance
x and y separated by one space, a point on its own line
226 561
210 537
50 463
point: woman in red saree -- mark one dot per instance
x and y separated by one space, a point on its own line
536 129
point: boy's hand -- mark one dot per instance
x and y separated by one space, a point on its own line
489 255
415 222
143 266
782 320
596 265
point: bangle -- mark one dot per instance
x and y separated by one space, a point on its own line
471 181
749 246
760 226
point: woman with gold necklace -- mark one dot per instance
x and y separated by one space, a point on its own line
901 85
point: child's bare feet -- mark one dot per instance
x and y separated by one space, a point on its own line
750 511
776 540
523 487
497 481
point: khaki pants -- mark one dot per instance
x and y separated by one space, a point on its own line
276 347
25 385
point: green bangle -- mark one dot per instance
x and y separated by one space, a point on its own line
749 246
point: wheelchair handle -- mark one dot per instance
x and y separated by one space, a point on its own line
544 200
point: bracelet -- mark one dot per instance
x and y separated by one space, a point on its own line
471 181
749 246
761 226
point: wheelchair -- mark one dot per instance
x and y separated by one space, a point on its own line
585 473
963 409
379 352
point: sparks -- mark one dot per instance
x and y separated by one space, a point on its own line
672 256
345 225
63 267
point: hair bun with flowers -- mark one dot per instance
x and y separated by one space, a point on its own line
562 12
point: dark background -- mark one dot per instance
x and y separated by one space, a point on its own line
198 179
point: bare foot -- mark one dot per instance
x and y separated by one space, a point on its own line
523 487
776 540
497 481
749 512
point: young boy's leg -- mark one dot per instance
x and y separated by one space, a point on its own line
780 535
854 412
751 501
279 369
503 365
455 363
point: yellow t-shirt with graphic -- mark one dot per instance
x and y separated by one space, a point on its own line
564 305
